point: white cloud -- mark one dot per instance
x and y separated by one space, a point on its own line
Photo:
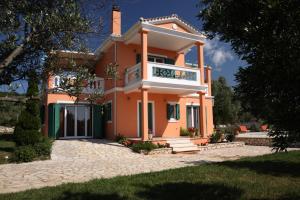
217 53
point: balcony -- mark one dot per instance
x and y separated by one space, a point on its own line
164 78
95 86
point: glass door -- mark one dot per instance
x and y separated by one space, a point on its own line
150 118
192 113
78 121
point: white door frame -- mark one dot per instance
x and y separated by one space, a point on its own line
75 122
138 117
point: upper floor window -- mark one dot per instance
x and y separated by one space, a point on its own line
157 59
56 81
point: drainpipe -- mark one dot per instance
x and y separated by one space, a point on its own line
115 94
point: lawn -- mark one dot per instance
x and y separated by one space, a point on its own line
275 176
7 147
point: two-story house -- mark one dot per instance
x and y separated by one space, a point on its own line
157 92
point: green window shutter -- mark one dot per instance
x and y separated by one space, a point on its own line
169 61
138 58
177 111
169 111
97 121
53 120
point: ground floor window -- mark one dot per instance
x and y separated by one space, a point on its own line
192 113
173 111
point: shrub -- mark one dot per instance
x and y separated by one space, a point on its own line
26 137
27 130
25 154
215 137
43 148
161 145
122 140
184 132
233 129
147 146
254 127
230 137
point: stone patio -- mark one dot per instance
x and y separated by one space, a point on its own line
83 160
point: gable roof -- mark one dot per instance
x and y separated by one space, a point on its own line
174 18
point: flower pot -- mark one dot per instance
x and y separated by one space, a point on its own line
150 136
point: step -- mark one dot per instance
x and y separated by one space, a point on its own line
182 145
178 141
185 149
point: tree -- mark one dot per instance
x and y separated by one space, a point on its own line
225 110
27 130
30 30
266 34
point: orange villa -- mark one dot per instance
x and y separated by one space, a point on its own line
157 92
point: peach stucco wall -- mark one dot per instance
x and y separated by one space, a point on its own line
127 117
170 26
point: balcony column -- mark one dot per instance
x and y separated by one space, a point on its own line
144 93
202 115
208 79
200 60
144 59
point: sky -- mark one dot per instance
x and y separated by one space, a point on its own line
218 55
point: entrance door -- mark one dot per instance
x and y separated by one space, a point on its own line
192 113
150 118
78 121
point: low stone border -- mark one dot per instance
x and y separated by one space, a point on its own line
255 141
157 151
221 145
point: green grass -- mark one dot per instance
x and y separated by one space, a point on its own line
7 147
275 176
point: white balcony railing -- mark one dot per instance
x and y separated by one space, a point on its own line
164 73
133 74
96 85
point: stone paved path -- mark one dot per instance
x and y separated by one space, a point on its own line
83 160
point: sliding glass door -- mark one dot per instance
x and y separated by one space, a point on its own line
77 121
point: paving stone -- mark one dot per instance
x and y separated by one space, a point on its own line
83 160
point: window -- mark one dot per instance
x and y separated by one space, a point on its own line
56 81
173 111
157 59
192 114
109 112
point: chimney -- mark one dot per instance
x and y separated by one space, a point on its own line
116 20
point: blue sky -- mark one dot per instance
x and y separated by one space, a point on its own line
217 54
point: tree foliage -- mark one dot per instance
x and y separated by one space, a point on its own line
266 34
31 29
225 108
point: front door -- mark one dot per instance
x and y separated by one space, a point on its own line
78 121
150 118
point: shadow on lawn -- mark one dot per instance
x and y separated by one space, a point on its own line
185 190
275 168
89 196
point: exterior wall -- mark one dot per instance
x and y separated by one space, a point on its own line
170 26
127 117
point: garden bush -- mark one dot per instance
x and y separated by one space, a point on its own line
184 132
26 137
147 146
230 137
43 148
215 137
254 127
27 130
121 139
25 154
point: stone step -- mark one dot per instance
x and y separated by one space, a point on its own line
182 145
185 149
178 141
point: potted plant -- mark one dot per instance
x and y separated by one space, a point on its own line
192 131
150 134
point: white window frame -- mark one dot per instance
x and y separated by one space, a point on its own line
172 119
